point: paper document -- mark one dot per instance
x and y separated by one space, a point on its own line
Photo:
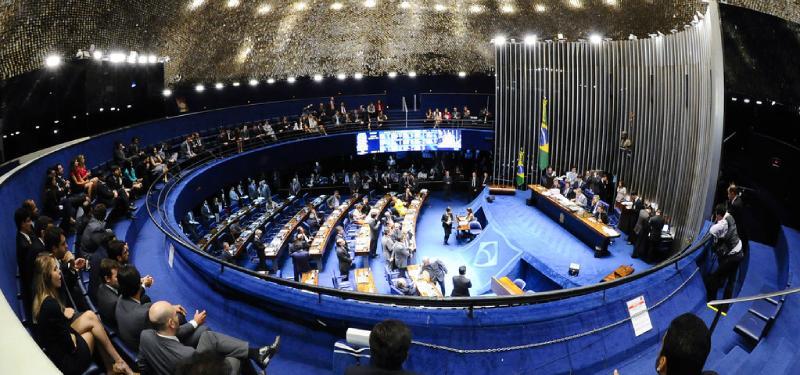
640 318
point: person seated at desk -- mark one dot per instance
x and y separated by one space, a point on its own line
600 213
567 191
470 215
314 221
365 208
406 288
580 199
301 241
595 203
408 196
399 207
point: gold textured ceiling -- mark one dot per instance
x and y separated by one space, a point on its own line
230 39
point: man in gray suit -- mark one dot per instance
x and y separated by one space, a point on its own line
131 313
387 242
461 283
401 254
161 351
345 260
436 270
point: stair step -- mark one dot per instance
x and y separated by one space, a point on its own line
731 362
778 360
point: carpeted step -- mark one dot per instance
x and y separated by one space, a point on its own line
731 362
779 361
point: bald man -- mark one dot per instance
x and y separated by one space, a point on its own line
161 352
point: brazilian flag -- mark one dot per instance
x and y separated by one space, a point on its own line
544 139
521 168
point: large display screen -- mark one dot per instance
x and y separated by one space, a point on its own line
408 140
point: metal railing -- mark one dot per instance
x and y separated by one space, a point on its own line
158 191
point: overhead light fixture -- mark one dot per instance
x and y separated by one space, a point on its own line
507 8
55 131
196 4
462 74
530 39
52 61
291 79
540 8
102 109
270 81
253 82
758 102
746 100
218 85
236 84
405 5
167 93
142 59
300 6
264 9
595 38
575 3
199 88
358 76
632 37
734 99
475 8
392 74
439 8
318 77
612 3
152 59
773 102
97 55
370 3
341 76
499 40
233 3
337 6
412 74
560 36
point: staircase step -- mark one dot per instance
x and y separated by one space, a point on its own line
778 361
731 362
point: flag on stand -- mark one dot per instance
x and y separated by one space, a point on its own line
544 139
521 168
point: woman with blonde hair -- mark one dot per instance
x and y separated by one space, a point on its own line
66 336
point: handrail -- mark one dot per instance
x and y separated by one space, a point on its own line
449 302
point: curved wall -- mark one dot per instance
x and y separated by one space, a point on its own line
665 92
544 325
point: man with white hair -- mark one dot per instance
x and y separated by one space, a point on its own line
436 269
160 351
728 248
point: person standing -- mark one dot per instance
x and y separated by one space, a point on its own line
447 224
640 231
374 224
400 254
735 207
473 184
345 260
728 248
448 184
436 270
259 247
461 283
656 224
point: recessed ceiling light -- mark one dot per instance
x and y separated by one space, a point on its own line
194 4
595 38
270 81
291 79
358 76
337 6
507 8
233 3
412 74
370 3
405 5
439 8
236 84
300 5
264 9
52 61
167 93
530 39
541 8
219 85
475 8
462 74
392 74
253 82
341 76
318 77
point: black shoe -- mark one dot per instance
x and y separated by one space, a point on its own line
266 353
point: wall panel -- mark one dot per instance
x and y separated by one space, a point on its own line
657 89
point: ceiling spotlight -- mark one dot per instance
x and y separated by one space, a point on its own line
475 8
611 2
595 38
412 74
439 8
116 57
142 59
507 8
462 74
236 84
264 9
52 61
318 77
392 74
530 39
291 79
98 55
499 40
300 6
128 106
632 37
540 8
773 102
758 102
370 3
734 99
152 59
102 109
194 4
270 81
405 5
746 100
199 88
218 85
233 3
55 131
37 126
132 57
337 6
341 76
253 82
358 76
167 93
113 109
575 3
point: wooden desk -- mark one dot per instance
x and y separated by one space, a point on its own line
221 227
425 287
462 224
505 287
412 214
363 238
278 242
364 280
249 232
310 277
502 189
576 220
320 242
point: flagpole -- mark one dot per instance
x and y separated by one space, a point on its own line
536 144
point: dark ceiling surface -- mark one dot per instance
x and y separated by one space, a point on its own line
240 39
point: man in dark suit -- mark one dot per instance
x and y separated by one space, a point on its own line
436 270
641 233
37 242
22 218
605 189
388 345
108 293
119 154
461 283
485 180
161 351
345 260
447 224
259 247
131 312
656 225
473 184
448 184
300 263
735 207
